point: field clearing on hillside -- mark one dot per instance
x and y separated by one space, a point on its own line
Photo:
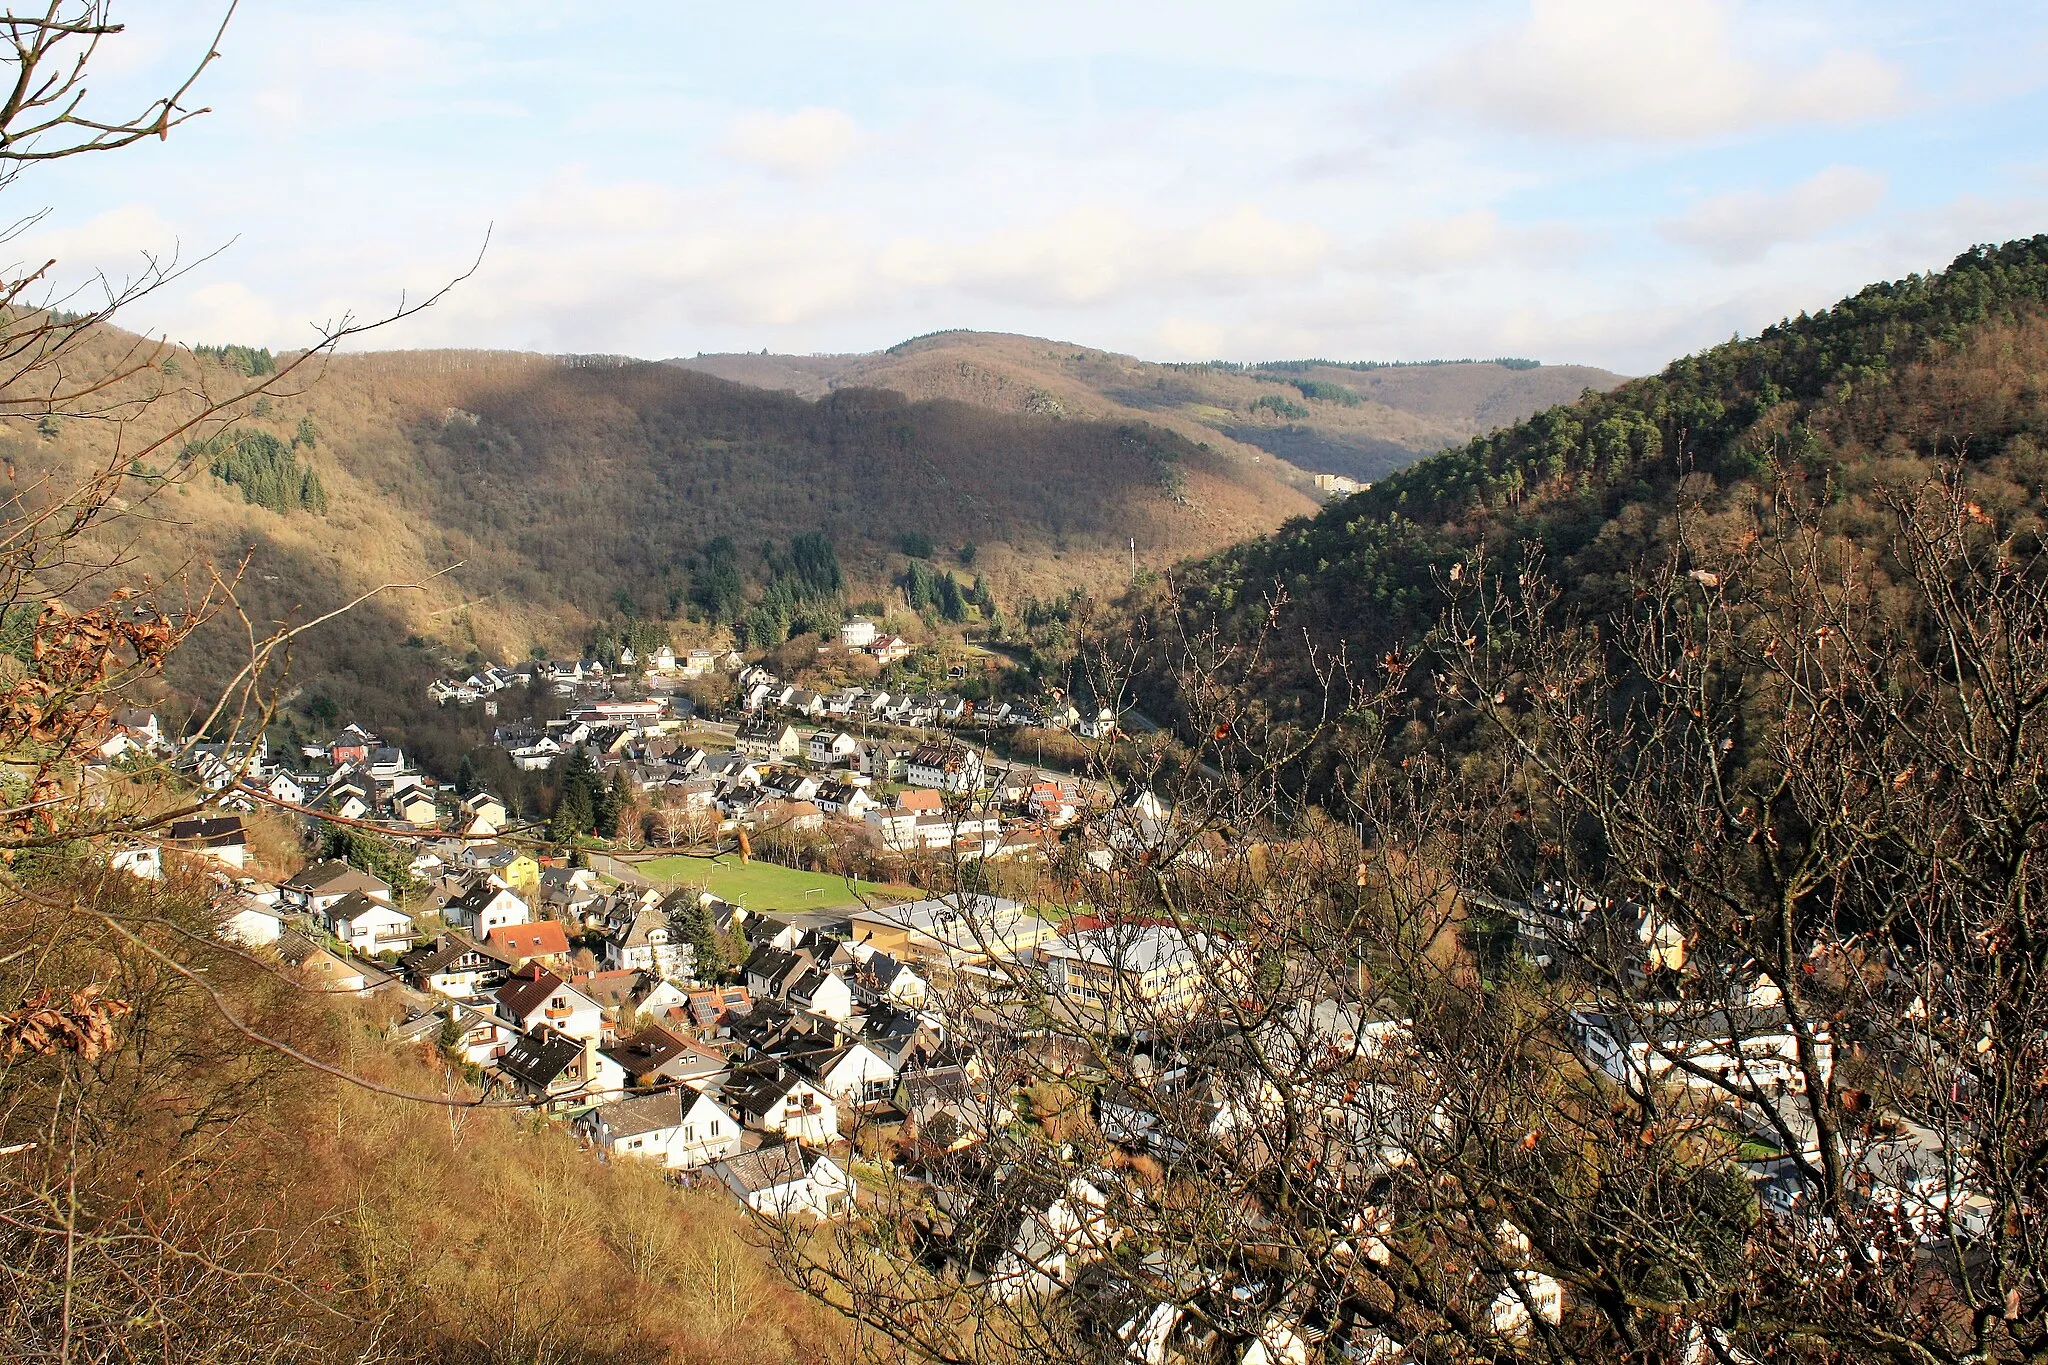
769 886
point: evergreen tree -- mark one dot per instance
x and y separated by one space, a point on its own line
465 776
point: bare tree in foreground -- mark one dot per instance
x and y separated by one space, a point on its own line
114 1244
1665 989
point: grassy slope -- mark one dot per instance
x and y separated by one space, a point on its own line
1406 412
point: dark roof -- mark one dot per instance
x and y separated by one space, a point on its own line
539 1057
765 1168
480 892
527 988
759 1087
449 951
655 1051
356 903
210 831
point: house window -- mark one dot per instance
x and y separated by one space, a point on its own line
689 1132
714 1127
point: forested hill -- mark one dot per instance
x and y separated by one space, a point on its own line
571 497
1886 385
1358 419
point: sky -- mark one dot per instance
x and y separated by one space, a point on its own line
1610 182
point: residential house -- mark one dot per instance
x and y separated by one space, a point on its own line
543 940
641 936
796 816
559 1069
768 739
353 745
805 703
831 749
417 807
321 971
857 633
286 788
631 993
712 1010
481 814
484 903
654 1056
1697 1043
515 867
950 768
680 1129
534 997
777 1099
943 1109
367 926
784 1181
455 965
889 978
219 838
848 1070
1028 1237
890 649
250 921
821 991
844 801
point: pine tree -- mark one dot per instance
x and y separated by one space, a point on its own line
465 776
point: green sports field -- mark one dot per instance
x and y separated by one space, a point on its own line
766 886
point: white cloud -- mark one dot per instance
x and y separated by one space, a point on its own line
1649 69
1732 228
807 142
1092 254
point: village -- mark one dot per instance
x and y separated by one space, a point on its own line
854 1032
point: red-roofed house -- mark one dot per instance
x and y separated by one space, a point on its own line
542 940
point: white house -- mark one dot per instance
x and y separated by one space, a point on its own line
485 904
680 1129
775 1098
1749 1046
857 633
533 996
312 889
830 748
641 936
948 767
369 926
852 1073
822 992
783 1181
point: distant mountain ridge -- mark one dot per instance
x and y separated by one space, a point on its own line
1324 416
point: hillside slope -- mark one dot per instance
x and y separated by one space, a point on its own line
567 494
1892 385
1363 422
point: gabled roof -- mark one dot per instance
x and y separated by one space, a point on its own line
765 1168
333 877
654 1051
448 951
537 938
644 1114
760 1086
356 904
529 988
539 1057
472 899
215 831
